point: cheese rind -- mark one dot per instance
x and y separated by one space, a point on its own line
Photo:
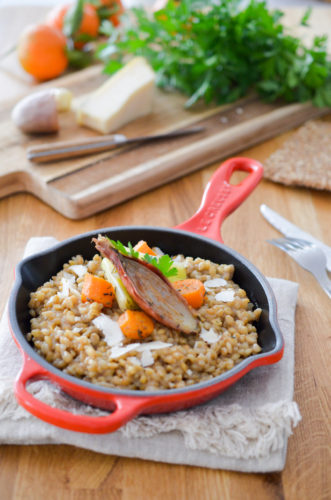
124 97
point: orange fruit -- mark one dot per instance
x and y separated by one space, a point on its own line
42 51
89 25
55 16
110 3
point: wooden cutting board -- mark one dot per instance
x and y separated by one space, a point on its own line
81 187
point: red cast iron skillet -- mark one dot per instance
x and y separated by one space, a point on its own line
197 237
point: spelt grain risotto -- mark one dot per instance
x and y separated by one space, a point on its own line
83 338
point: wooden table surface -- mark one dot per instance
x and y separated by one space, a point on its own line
64 472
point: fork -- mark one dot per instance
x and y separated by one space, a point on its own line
308 256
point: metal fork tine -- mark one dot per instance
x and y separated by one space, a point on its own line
290 245
308 256
276 243
295 245
300 243
281 243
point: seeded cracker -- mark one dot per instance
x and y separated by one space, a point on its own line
305 159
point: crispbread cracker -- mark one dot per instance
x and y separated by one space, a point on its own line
305 159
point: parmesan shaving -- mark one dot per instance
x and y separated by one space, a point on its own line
112 333
158 251
147 358
156 344
209 336
68 276
118 351
79 270
65 288
225 296
114 337
215 283
68 286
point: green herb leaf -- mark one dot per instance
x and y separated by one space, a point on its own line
132 252
112 66
108 29
306 16
73 19
219 50
83 37
118 245
164 263
79 59
105 12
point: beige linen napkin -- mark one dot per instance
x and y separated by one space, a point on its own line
245 429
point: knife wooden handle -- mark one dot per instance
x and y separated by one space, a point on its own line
71 149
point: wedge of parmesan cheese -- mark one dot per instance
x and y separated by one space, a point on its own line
124 97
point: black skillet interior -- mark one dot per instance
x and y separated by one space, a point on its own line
35 271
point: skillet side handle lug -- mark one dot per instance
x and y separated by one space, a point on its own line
125 408
221 198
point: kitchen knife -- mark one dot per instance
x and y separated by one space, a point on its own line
64 150
291 231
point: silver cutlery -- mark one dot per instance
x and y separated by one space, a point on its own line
307 255
290 230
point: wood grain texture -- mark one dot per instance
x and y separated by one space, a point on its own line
84 475
80 187
63 472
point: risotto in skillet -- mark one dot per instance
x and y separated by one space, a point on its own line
134 318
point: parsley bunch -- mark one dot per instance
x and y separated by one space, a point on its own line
164 263
219 50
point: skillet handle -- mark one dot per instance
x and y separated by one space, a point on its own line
221 198
125 408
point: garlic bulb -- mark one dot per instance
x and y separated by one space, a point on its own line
38 112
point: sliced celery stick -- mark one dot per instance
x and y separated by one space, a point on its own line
124 300
181 272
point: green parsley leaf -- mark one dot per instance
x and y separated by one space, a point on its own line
112 66
219 50
118 245
306 16
164 263
132 252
